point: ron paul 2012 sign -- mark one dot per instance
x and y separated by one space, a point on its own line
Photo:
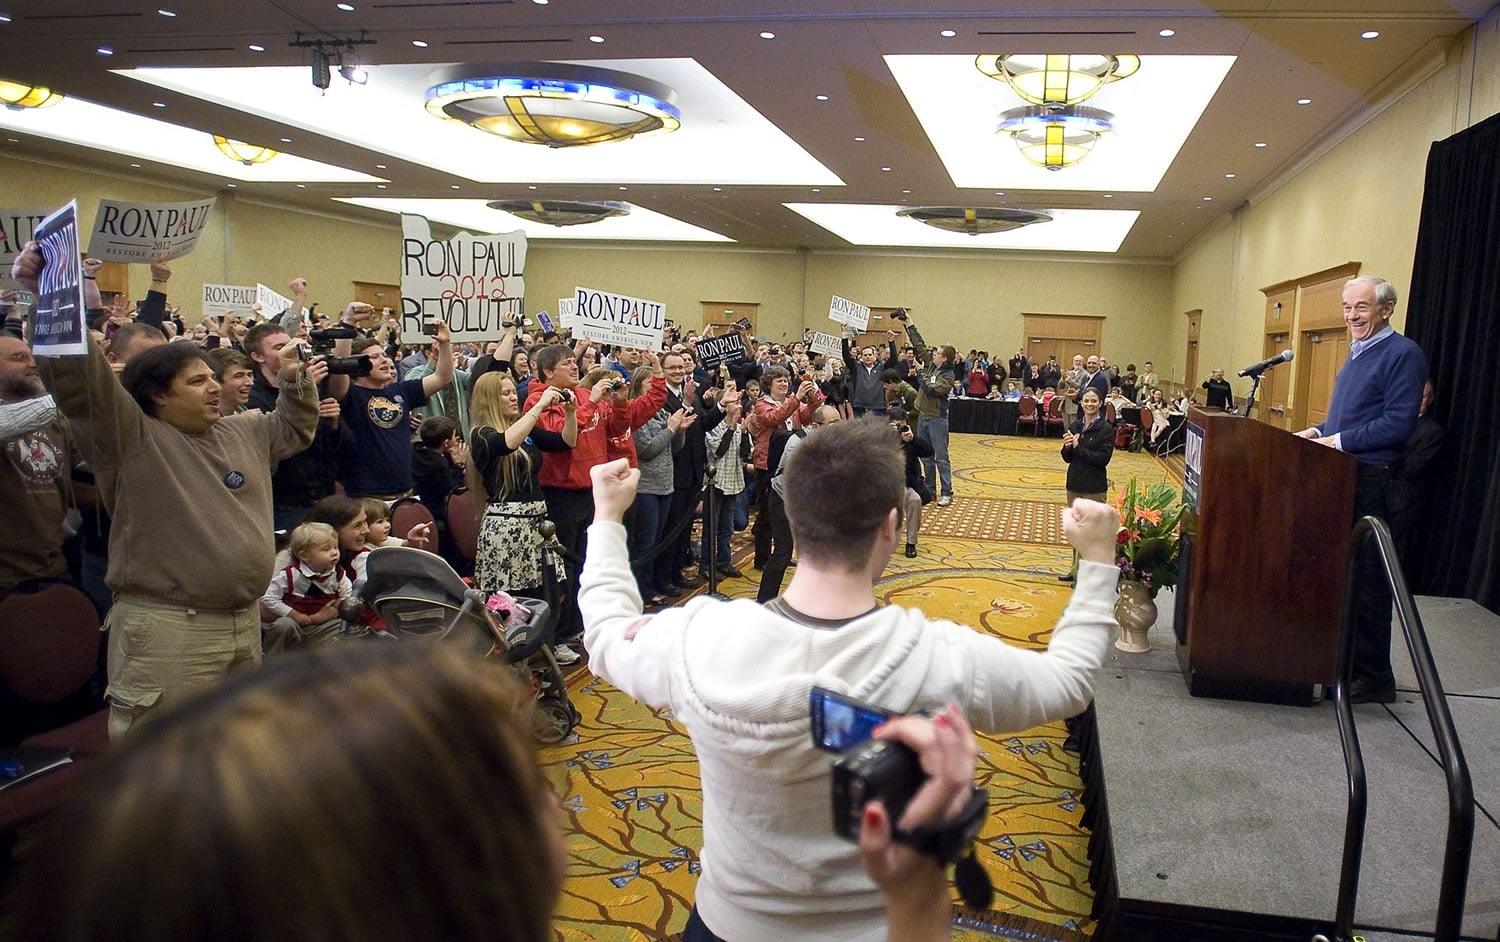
474 282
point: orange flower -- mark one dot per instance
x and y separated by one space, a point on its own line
1148 515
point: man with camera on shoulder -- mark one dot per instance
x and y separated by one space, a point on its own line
739 676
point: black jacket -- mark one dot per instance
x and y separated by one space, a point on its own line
1089 459
689 463
308 476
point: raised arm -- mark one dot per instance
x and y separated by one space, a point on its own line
442 357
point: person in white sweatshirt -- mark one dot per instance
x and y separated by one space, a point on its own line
738 674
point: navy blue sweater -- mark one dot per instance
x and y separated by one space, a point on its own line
1375 400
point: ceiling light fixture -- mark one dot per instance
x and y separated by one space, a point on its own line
1229 176
18 96
859 140
105 51
328 54
1057 80
1055 138
767 35
166 13
1304 101
973 221
1261 144
419 43
553 103
561 213
1166 33
346 7
821 97
596 39
1370 34
354 75
948 33
247 154
257 47
158 104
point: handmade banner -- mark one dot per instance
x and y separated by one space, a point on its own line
618 319
474 282
728 348
60 322
825 343
219 300
141 232
17 227
271 303
849 312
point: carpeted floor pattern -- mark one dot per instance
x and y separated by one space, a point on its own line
629 780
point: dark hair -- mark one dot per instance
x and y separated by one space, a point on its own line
256 335
842 482
128 335
436 430
890 376
336 510
545 361
222 358
362 344
418 768
150 374
771 374
1130 367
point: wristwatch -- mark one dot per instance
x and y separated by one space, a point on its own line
951 840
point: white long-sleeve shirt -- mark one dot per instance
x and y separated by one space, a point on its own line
333 584
738 677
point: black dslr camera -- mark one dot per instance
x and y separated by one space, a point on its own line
322 342
899 314
866 768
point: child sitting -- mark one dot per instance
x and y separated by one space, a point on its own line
301 605
378 519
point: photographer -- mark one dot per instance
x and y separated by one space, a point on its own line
866 391
738 677
934 381
918 493
377 408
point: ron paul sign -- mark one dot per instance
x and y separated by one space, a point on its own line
474 282
140 232
618 319
713 351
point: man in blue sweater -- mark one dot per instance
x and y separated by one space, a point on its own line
1373 413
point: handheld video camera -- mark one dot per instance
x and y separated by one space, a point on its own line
899 314
866 768
322 342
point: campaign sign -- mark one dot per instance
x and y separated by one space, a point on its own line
474 282
141 232
17 227
713 351
849 312
566 308
825 343
618 319
271 303
219 300
1192 479
61 327
545 320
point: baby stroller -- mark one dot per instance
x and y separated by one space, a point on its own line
421 598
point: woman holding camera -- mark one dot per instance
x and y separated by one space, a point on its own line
1087 448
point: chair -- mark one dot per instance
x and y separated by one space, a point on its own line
407 513
1109 412
1055 416
1028 415
463 523
49 650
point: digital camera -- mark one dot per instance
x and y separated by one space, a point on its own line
866 768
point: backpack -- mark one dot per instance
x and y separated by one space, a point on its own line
779 438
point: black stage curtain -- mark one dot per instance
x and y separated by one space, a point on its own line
1454 315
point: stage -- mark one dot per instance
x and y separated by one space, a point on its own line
1202 809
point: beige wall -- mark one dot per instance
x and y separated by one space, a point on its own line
1359 202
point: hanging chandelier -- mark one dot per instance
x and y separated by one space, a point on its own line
18 96
553 103
562 212
1055 138
1057 79
975 221
247 154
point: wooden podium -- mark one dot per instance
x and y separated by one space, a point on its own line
1264 555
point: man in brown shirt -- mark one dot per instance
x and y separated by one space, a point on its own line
36 468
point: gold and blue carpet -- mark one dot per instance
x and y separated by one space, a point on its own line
629 780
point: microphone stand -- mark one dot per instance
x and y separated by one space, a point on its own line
1250 399
710 532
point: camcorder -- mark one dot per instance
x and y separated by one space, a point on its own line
899 314
322 342
866 769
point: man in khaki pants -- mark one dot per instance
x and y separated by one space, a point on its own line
191 547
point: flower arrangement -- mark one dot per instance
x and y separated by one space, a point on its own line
1148 545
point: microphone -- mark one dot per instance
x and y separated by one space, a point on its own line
1284 356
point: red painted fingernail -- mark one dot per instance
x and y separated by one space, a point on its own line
872 815
940 720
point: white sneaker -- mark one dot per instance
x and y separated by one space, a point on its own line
945 500
565 655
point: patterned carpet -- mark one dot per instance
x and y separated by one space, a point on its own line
629 780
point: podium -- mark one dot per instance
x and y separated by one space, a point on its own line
1261 580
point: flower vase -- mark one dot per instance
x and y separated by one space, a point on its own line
1135 610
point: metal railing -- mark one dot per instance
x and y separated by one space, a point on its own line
1460 840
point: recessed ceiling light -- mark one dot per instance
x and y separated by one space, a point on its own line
105 51
286 140
1208 199
596 39
166 13
906 191
948 33
540 2
999 192
817 189
821 97
718 189
302 186
624 187
454 186
4 18
767 35
419 43
885 169
158 104
380 166
1370 34
1260 144
232 185
531 187
1166 33
12 140
346 7
859 140
1304 101
1229 176
136 166
380 186
257 47
1109 196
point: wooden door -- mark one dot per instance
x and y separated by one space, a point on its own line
1038 349
1190 377
724 313
1323 354
1276 383
377 295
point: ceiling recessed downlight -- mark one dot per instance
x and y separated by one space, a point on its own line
346 7
1261 144
767 34
167 13
821 97
1370 34
256 47
596 39
419 43
1304 101
105 51
948 33
1229 176
1166 33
